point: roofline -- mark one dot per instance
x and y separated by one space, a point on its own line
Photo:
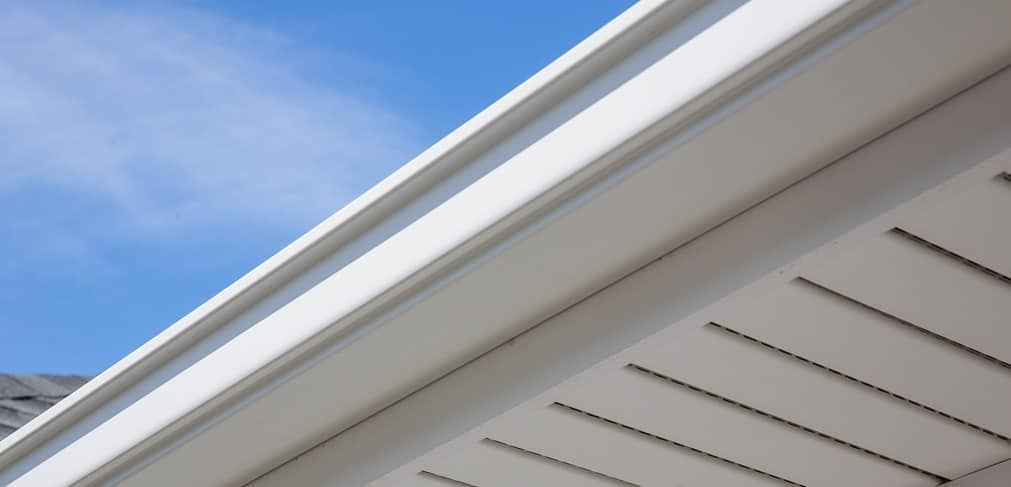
544 89
509 203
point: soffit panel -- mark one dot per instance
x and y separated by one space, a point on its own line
916 282
974 225
878 361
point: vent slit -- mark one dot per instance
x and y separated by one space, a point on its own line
524 451
908 324
952 255
667 441
784 421
866 384
443 478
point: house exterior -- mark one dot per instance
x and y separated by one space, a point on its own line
717 243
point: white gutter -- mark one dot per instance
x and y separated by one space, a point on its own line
661 98
584 61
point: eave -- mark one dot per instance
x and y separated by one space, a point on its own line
641 119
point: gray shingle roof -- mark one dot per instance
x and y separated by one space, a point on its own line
23 397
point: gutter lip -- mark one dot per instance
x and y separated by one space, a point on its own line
397 189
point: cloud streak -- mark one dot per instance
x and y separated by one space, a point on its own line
168 120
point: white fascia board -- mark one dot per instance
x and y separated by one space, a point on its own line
464 232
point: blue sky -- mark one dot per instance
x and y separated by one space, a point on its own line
153 152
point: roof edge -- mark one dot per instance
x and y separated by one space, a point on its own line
601 50
586 149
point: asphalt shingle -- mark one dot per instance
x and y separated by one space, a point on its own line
23 397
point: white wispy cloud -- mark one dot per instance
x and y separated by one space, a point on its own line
166 119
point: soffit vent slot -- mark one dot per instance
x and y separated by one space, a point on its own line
896 319
786 422
444 479
952 255
861 382
672 443
563 463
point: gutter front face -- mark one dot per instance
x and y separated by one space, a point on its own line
410 282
